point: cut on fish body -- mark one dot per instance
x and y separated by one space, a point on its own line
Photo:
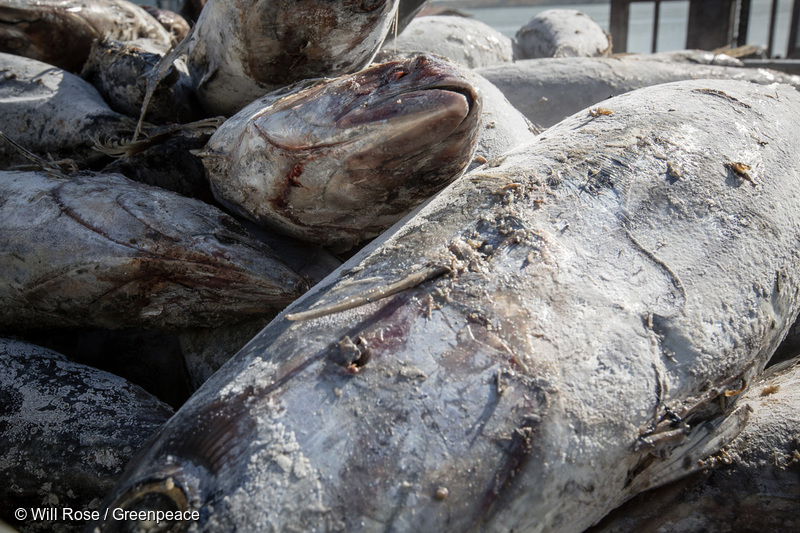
66 433
103 251
61 32
568 322
52 113
243 49
338 161
753 484
548 90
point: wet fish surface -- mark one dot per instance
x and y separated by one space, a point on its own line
99 250
548 90
341 160
751 485
66 433
243 49
53 113
61 32
547 337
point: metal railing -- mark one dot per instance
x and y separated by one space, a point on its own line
712 24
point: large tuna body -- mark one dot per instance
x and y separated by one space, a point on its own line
570 322
548 90
104 251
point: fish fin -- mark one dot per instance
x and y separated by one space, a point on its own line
52 168
372 295
703 441
159 72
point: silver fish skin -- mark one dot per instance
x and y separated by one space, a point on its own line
750 485
595 311
104 251
243 49
468 42
66 433
61 32
50 111
341 160
548 90
561 33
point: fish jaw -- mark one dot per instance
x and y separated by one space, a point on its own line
344 159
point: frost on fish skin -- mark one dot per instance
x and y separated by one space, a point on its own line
245 48
61 32
66 431
103 251
585 342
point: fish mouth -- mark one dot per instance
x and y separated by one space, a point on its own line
378 103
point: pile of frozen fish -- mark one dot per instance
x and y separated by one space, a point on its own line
330 266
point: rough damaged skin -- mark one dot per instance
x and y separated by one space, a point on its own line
115 69
60 32
66 433
341 160
468 42
752 485
561 33
242 49
52 112
104 251
548 90
596 309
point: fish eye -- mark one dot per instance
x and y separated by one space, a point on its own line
137 510
394 74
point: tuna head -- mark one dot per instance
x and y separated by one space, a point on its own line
340 161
